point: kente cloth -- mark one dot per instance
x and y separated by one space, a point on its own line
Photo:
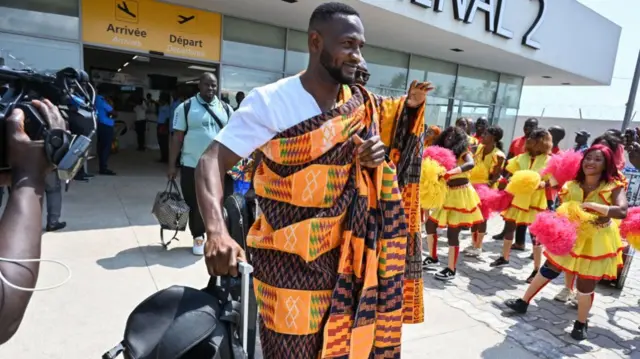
337 251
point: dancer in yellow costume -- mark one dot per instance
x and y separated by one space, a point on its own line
461 204
597 253
524 208
613 142
488 159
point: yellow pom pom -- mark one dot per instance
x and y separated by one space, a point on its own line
574 212
433 188
523 182
634 241
479 174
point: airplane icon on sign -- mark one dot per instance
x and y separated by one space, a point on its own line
184 19
125 9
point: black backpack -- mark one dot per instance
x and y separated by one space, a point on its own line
187 323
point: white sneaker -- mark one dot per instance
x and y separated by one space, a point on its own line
472 251
565 295
198 246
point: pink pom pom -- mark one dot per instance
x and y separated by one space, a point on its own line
631 225
443 156
564 166
555 232
491 200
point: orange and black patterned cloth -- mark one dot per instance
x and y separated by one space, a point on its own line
337 250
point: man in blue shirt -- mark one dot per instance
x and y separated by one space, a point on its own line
165 117
104 133
582 137
193 133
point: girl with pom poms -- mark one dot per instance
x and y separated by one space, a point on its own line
430 136
525 206
597 252
613 142
461 203
488 160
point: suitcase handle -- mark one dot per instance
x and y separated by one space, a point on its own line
245 270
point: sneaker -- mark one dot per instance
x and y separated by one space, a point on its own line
580 330
574 301
430 263
473 252
500 262
565 295
445 275
55 226
499 236
517 305
531 276
518 247
198 246
468 250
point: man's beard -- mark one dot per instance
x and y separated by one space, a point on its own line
335 72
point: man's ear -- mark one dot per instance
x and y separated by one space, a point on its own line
315 41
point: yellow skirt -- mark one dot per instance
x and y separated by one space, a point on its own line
460 209
523 211
596 255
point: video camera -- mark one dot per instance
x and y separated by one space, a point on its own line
68 89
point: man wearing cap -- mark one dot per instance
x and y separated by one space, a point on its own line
582 137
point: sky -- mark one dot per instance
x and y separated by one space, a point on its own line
596 102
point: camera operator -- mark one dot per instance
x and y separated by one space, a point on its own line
20 225
632 146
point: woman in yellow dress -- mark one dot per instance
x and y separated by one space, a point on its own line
597 253
488 159
613 143
461 204
524 208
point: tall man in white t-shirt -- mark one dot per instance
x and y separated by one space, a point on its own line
338 189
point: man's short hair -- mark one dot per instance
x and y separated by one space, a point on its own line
328 11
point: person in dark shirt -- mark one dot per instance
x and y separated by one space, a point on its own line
239 98
557 135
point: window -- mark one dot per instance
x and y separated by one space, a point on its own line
57 18
436 111
476 85
440 73
251 44
41 55
506 118
509 91
388 68
236 79
297 52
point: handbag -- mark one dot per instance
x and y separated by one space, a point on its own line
187 323
171 211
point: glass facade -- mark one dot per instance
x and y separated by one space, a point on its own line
43 35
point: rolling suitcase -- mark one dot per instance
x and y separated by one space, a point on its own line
186 323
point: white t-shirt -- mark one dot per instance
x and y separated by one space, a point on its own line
141 112
265 112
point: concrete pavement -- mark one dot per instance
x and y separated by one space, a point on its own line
112 246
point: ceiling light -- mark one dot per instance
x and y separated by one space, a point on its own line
457 50
202 68
141 58
566 83
546 77
125 64
290 1
120 69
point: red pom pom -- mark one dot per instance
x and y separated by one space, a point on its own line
443 156
631 225
491 200
555 232
564 166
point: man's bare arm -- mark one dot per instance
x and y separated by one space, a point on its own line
20 238
213 165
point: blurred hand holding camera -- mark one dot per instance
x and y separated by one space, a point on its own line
26 157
